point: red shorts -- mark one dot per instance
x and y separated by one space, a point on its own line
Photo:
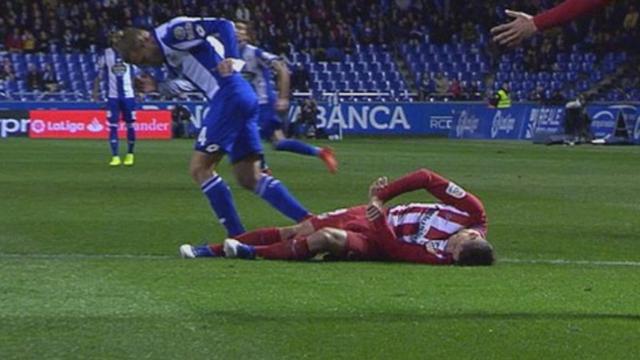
361 244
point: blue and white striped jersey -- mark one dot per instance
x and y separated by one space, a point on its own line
118 75
259 73
193 47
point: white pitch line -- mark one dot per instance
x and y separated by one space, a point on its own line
170 257
569 262
88 256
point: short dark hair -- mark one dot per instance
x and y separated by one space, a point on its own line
476 253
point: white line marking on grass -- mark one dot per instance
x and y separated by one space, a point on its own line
88 256
569 262
171 257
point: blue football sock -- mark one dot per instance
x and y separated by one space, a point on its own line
131 138
276 194
219 195
113 139
298 147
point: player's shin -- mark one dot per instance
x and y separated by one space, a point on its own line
276 194
113 139
221 200
297 147
131 138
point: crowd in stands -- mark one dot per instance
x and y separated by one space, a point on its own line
326 29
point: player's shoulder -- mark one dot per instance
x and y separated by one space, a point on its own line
181 29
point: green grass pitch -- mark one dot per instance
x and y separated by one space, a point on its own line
89 266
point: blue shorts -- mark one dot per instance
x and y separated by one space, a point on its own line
269 121
125 106
232 122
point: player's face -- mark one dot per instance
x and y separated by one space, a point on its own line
242 33
458 240
147 54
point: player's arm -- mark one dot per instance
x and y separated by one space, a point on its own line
96 87
384 235
524 25
416 253
283 81
440 187
96 82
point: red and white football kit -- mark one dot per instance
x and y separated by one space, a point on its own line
411 232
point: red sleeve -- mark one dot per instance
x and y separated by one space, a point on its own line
443 189
565 12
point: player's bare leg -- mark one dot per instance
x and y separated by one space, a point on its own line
247 172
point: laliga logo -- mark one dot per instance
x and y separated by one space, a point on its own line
95 126
38 126
466 122
506 123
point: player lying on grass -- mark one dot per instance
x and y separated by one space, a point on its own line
451 232
524 25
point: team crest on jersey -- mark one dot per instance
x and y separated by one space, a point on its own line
119 69
179 33
455 191
200 30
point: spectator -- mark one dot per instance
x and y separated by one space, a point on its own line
50 79
34 79
13 41
28 42
425 87
242 12
455 90
631 19
300 78
42 42
6 70
537 94
442 84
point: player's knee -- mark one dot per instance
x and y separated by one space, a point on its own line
199 172
248 179
332 240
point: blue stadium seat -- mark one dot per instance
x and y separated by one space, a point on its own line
361 67
562 58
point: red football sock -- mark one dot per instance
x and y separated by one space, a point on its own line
292 249
217 248
265 236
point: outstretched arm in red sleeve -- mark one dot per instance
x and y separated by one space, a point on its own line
524 25
443 189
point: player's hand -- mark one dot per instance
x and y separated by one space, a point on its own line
282 104
374 209
225 67
145 84
513 33
379 184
